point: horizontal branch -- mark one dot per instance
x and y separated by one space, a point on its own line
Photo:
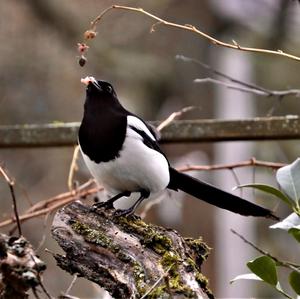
47 206
256 91
65 134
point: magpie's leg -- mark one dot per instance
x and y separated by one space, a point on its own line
144 194
109 203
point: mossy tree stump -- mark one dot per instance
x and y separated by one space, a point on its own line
127 257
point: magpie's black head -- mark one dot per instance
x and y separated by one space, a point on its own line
98 89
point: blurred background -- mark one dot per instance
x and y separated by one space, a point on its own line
40 83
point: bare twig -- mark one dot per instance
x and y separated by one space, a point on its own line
148 206
43 239
268 93
221 74
11 183
51 204
190 28
246 163
73 167
157 282
39 278
244 86
174 115
47 206
71 284
44 289
285 264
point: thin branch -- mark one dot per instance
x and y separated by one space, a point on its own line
44 289
175 115
49 205
11 184
43 239
246 163
73 167
269 93
247 87
190 28
39 278
71 284
221 74
42 206
148 206
285 264
157 282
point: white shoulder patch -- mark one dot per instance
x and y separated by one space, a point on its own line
138 124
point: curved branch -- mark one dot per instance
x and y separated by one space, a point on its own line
187 27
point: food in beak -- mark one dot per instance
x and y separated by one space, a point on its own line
87 80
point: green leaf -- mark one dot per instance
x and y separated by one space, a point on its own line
251 276
265 268
294 280
292 221
288 178
248 276
295 232
270 190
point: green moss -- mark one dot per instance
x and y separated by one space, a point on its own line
149 234
91 235
172 282
158 242
169 259
173 287
199 248
159 292
151 237
97 237
203 282
139 278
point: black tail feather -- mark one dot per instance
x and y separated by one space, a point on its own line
215 196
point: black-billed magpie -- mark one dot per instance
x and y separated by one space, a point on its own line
122 153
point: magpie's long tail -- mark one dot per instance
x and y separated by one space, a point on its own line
215 196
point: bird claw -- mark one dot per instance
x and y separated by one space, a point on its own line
102 205
123 213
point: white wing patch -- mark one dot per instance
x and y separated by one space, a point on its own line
138 124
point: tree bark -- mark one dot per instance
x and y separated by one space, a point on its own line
127 257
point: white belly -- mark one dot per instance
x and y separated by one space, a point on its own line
137 167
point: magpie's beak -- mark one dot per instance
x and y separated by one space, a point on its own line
91 80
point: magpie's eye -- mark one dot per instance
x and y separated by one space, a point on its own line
109 89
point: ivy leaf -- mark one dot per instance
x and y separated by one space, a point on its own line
288 178
294 280
265 268
270 190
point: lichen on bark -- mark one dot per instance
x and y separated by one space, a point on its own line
127 256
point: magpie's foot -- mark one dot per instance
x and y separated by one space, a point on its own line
123 213
102 205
